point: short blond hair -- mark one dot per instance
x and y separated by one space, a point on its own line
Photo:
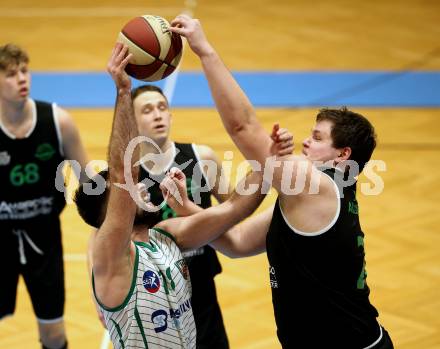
11 54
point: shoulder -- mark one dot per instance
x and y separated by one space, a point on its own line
171 229
64 118
67 126
162 229
310 181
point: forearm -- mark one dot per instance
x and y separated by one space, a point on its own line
201 228
113 237
187 209
230 243
234 107
247 195
247 238
124 129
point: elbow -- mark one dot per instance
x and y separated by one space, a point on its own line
236 128
240 126
230 254
235 256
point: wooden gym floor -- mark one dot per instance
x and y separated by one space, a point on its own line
401 224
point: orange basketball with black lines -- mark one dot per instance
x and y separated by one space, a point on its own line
156 51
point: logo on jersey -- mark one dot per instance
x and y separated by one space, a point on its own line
273 278
183 268
160 317
5 158
151 281
192 253
26 209
44 151
353 207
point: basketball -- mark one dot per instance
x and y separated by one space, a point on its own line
156 51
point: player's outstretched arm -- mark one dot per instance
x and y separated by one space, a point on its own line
112 265
247 238
235 109
203 227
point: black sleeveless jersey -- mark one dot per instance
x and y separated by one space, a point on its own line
28 168
318 282
203 262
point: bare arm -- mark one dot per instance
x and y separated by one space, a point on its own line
247 238
72 145
281 145
90 245
235 109
203 227
112 263
240 122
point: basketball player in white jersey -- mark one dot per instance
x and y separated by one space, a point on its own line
143 287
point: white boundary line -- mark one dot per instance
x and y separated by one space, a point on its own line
168 91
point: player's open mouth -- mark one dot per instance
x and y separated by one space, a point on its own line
23 91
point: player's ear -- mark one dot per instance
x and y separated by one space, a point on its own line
344 154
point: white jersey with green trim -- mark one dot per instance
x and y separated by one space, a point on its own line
157 311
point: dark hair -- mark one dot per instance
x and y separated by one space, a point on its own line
11 54
146 88
352 130
92 207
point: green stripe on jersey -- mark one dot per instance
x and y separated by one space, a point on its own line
130 292
165 233
141 328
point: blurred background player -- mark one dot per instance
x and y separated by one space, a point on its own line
35 137
154 120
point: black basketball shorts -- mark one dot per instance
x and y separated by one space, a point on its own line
37 256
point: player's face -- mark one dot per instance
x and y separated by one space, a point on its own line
15 83
152 115
319 145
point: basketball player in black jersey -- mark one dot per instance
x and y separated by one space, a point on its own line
154 121
35 137
313 238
